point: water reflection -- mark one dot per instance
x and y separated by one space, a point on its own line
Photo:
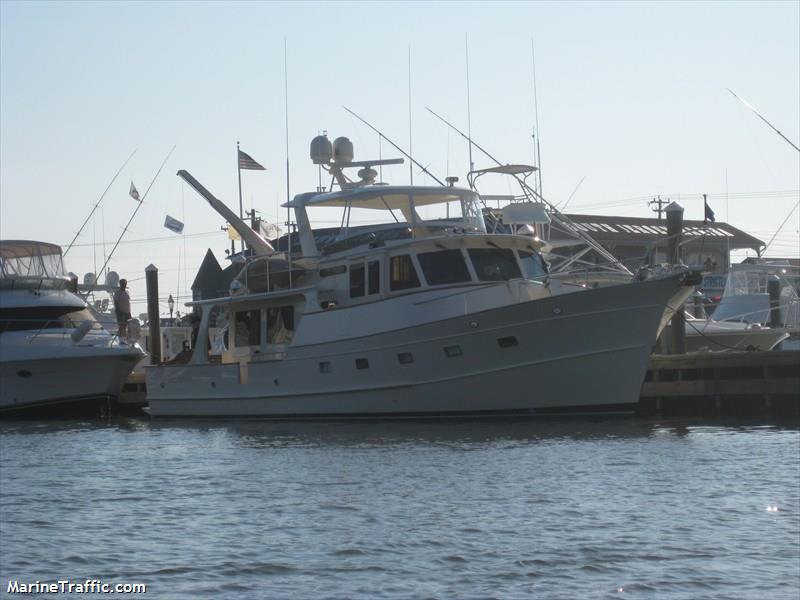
263 433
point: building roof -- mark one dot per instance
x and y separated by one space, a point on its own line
209 274
612 230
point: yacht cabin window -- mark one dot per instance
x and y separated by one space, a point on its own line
357 280
532 264
248 328
494 264
403 275
280 324
374 277
443 266
365 279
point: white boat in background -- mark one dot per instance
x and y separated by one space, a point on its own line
54 356
726 336
765 293
411 318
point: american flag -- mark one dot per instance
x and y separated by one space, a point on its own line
246 162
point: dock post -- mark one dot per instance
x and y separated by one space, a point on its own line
153 316
774 291
698 310
674 229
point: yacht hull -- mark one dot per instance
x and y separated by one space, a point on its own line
62 386
579 352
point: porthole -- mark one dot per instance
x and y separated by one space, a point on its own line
507 342
405 358
453 351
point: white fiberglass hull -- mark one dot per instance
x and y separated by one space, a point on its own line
51 377
578 352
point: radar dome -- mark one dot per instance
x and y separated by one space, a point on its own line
89 279
342 150
112 279
321 150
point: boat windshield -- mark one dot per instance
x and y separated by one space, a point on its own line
45 317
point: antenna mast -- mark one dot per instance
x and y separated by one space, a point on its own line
288 197
536 120
469 120
410 146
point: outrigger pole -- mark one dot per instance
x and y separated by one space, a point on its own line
748 105
560 217
97 204
136 210
398 148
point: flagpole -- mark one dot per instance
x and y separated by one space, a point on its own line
239 172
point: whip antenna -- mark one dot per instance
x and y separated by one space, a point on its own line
748 105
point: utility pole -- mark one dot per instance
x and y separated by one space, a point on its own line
659 205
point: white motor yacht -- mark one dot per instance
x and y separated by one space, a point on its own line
418 317
54 356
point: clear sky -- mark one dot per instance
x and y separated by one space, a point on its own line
632 98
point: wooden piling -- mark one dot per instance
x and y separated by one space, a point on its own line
674 230
153 314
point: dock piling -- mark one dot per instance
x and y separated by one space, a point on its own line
774 291
153 316
674 230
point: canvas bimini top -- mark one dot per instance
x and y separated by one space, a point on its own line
26 258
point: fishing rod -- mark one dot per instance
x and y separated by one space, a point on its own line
791 212
465 136
398 148
136 210
97 204
748 105
559 217
564 206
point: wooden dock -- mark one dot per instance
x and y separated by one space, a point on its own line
723 384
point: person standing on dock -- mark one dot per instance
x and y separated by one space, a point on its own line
122 306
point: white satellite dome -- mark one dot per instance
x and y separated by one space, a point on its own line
321 150
112 279
342 150
89 279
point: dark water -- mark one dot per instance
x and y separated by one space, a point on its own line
537 509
